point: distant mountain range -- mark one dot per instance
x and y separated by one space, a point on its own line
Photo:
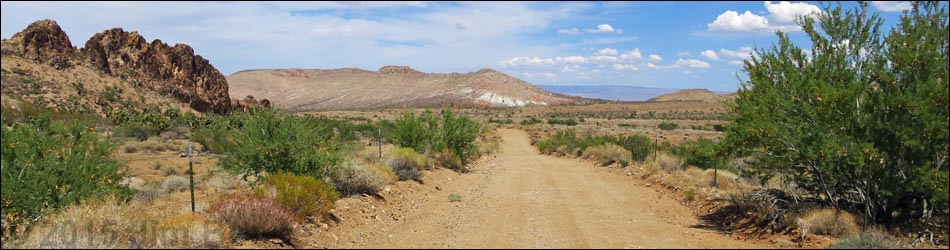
614 92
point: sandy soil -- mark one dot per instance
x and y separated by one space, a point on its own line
518 199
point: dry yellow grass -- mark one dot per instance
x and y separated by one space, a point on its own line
607 154
828 221
191 231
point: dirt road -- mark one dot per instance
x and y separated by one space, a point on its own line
522 199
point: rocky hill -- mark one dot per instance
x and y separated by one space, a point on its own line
695 95
42 67
390 87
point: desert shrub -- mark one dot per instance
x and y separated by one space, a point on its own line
407 164
190 231
170 171
667 163
427 133
566 139
448 159
254 216
148 194
667 126
829 222
568 121
454 197
130 149
351 179
173 184
860 118
94 225
703 153
639 146
608 154
414 131
529 121
50 164
272 142
302 195
772 208
867 239
457 133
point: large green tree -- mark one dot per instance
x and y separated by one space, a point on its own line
860 119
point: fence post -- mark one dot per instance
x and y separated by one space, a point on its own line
379 142
656 145
191 176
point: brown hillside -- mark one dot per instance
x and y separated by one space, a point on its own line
694 95
41 67
390 87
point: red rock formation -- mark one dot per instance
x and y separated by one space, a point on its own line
169 70
43 42
174 71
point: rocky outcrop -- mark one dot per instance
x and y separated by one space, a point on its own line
43 42
173 71
249 103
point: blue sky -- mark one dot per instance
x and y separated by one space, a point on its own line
650 44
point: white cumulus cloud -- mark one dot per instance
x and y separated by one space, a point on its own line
607 51
634 54
654 57
604 28
743 53
733 21
624 67
711 55
692 63
782 16
571 59
892 6
785 12
571 31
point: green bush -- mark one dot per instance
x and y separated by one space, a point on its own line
568 143
458 134
529 121
302 195
703 153
667 126
860 118
568 121
407 164
413 131
427 133
50 164
639 146
272 142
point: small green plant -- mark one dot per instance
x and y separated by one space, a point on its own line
529 121
667 126
111 94
407 164
454 197
689 195
302 195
